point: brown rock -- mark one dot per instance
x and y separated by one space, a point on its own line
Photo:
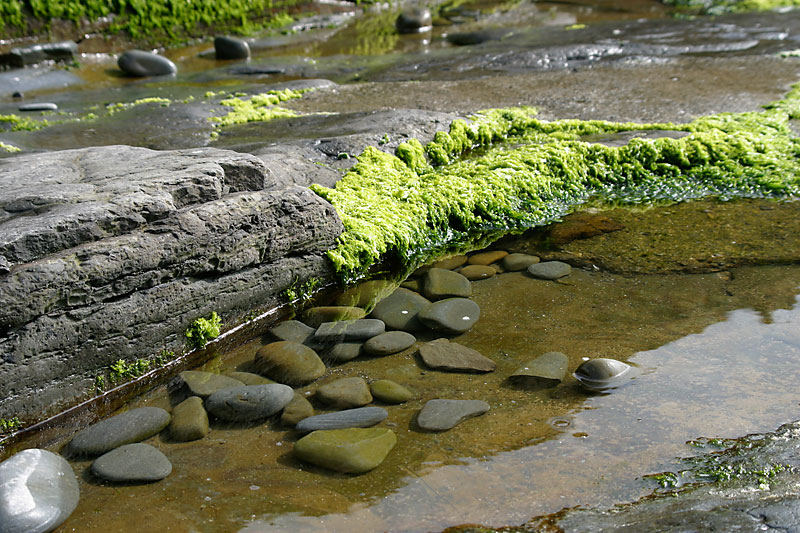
442 354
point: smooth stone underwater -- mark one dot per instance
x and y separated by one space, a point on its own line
125 428
352 451
132 463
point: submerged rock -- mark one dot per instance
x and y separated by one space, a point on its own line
226 47
517 262
250 402
440 283
189 420
441 415
349 330
204 384
442 354
389 343
139 63
352 451
388 391
414 20
38 492
547 370
132 463
477 272
487 258
601 373
452 315
299 408
345 393
248 378
344 351
366 294
292 330
316 316
399 310
549 270
448 263
289 362
360 417
125 428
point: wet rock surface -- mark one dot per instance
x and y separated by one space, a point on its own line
441 415
352 451
141 64
125 428
132 463
360 417
189 420
250 402
389 343
442 354
399 310
345 393
451 315
289 362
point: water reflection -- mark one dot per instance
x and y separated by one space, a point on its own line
737 376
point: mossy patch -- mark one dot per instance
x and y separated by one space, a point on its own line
257 108
531 171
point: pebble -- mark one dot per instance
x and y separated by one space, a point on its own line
348 330
296 410
547 370
289 362
366 294
399 310
389 343
477 272
39 106
345 393
351 451
601 373
132 463
517 262
189 420
441 415
204 384
38 491
125 428
360 417
388 391
486 258
452 315
549 270
344 351
248 378
292 330
315 316
442 354
249 402
139 63
231 48
440 283
448 264
415 20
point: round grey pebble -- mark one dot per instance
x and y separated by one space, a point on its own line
389 343
399 310
132 463
250 402
361 417
139 63
452 315
549 270
231 48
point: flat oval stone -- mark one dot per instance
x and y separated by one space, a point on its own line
204 384
389 343
399 310
440 283
289 362
131 426
441 415
442 354
345 393
452 315
547 370
361 417
38 492
549 270
477 272
486 258
292 330
388 391
517 262
296 410
189 420
352 451
448 263
132 463
344 351
249 402
349 330
39 106
333 313
140 63
226 47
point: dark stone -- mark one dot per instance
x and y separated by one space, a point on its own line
292 330
249 402
289 362
345 393
399 310
140 64
441 415
231 48
125 428
351 418
344 351
389 343
40 106
189 420
132 463
453 315
414 20
204 384
549 270
440 283
348 330
442 354
547 370
38 492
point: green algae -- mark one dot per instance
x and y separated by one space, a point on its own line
534 171
112 109
258 108
8 147
18 123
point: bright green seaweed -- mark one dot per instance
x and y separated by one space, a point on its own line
534 171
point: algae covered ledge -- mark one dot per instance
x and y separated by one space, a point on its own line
504 169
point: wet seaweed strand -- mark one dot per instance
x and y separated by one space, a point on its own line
534 171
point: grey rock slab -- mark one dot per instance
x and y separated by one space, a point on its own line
452 315
38 492
250 402
344 351
296 410
549 270
439 283
204 384
441 415
399 310
388 391
140 64
292 330
442 354
125 428
348 330
389 343
360 417
226 47
132 463
516 262
289 362
345 393
189 420
547 370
